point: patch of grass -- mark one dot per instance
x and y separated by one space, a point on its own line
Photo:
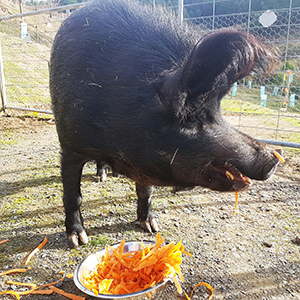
243 106
294 121
99 241
22 200
7 142
7 138
293 137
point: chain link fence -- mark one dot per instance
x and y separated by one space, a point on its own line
265 107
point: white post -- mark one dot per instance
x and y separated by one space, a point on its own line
214 12
180 11
2 83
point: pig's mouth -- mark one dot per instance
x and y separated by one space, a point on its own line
226 178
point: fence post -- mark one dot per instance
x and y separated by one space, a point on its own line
214 12
180 11
2 82
249 17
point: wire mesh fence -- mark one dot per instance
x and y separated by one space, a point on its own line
26 41
265 107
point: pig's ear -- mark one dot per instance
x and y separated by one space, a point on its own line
219 60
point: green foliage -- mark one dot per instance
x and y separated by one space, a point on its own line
288 66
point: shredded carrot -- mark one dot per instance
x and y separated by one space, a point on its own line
68 295
31 285
40 287
229 175
39 292
34 251
51 283
280 158
4 241
236 202
11 293
122 273
204 284
34 289
13 271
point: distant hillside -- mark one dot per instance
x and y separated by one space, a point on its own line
9 7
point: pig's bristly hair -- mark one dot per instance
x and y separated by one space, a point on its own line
214 64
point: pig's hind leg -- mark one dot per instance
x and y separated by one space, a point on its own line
101 170
71 170
144 210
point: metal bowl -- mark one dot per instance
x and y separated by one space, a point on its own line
90 263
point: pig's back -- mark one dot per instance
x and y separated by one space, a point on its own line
102 61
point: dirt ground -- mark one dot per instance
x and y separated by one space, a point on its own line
254 254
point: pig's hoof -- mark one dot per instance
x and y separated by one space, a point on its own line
103 177
150 225
73 239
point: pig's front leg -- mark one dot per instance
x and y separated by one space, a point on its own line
144 210
71 170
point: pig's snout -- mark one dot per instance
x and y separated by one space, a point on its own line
270 168
265 165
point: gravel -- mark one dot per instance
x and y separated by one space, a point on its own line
254 254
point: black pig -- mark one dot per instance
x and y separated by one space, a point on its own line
133 88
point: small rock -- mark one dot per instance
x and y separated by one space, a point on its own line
268 245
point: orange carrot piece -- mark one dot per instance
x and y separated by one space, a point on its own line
11 293
12 271
50 284
34 251
121 249
236 202
28 284
177 284
68 295
279 157
187 253
206 285
35 291
40 292
4 241
40 287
